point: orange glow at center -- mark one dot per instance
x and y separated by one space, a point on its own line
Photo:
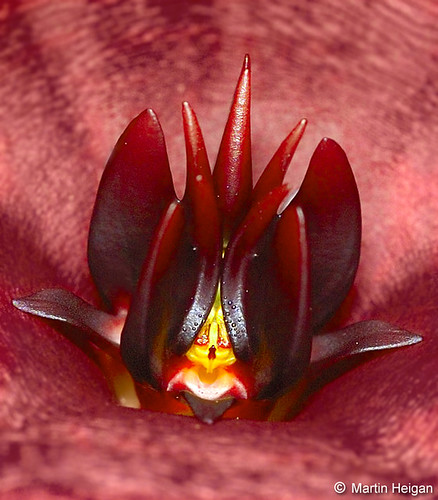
210 357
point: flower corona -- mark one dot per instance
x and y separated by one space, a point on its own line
220 297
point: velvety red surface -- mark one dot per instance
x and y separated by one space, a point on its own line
73 75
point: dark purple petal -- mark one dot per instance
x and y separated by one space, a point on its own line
366 336
180 274
203 227
233 169
265 294
135 189
239 256
288 313
276 169
330 201
199 197
144 337
62 305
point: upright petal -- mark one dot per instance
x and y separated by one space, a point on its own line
144 338
276 169
203 221
330 201
265 295
233 169
135 189
180 275
199 197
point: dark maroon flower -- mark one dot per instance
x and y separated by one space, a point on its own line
226 290
73 74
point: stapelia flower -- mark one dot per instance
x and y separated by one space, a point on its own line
221 296
73 73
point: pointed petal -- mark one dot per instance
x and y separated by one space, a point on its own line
204 235
144 335
366 336
135 189
330 201
233 169
61 305
207 411
265 295
240 256
199 197
180 275
289 313
276 169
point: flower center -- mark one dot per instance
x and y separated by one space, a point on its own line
208 375
212 348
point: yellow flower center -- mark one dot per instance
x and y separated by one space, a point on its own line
210 356
212 348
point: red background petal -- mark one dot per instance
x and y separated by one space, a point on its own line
74 74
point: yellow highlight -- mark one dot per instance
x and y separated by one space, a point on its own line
212 347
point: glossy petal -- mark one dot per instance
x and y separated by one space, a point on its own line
265 294
144 341
366 336
135 189
61 305
289 307
183 264
276 169
240 254
199 197
202 219
330 201
233 169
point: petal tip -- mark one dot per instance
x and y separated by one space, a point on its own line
148 114
301 127
207 411
328 142
19 304
246 62
187 112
